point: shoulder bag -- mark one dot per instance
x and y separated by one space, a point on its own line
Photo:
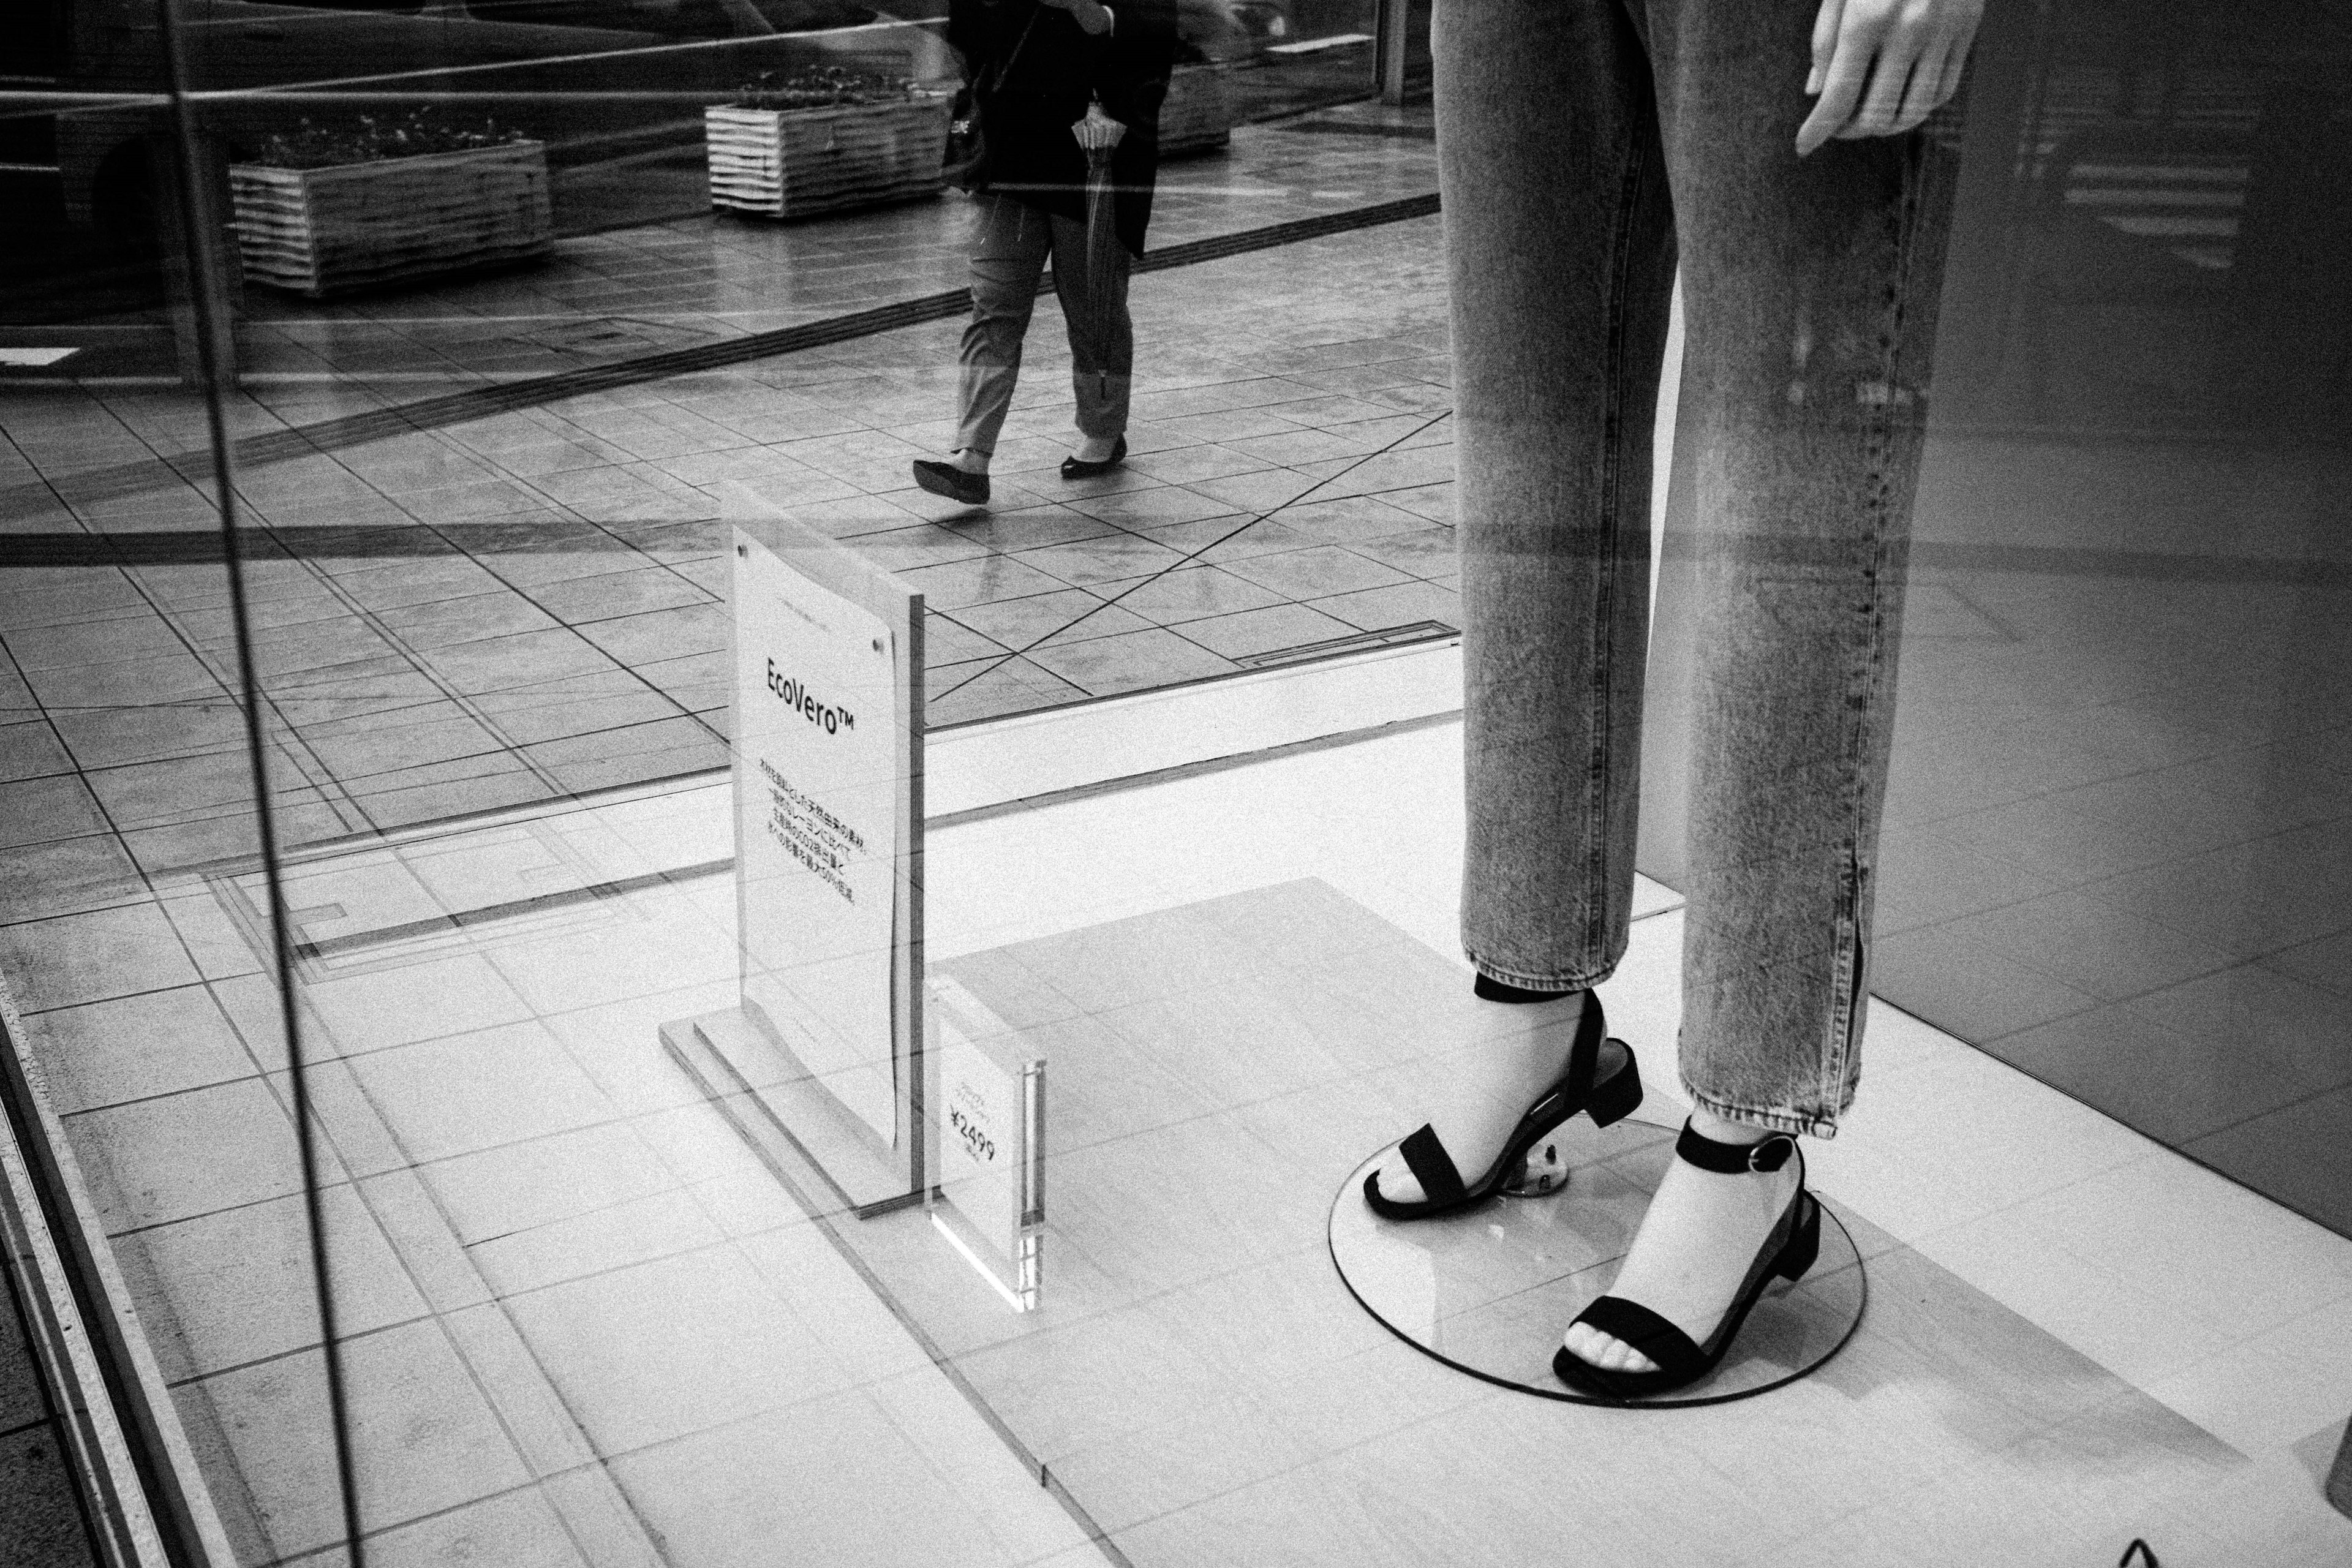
967 165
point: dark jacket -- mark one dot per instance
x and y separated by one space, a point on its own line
1032 156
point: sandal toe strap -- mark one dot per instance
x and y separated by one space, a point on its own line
1632 1323
1433 1167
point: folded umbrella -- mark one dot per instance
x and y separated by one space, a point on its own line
1103 248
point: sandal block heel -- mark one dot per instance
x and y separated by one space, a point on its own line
1529 1164
1621 1096
1540 1170
1804 1243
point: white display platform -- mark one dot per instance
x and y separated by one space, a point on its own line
1491 1290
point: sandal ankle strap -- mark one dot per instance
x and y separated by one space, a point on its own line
1733 1158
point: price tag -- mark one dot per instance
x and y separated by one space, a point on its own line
980 1131
989 1116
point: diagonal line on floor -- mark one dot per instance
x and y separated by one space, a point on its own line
1187 559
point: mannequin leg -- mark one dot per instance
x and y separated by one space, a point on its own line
1561 263
1810 288
1561 258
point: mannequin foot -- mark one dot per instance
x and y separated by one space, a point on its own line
1695 1246
1486 1093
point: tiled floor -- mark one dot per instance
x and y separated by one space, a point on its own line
525 1203
528 604
625 292
584 1318
42 1522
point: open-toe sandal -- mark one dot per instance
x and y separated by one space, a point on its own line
1601 1079
1790 1250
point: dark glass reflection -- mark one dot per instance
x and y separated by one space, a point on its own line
2119 841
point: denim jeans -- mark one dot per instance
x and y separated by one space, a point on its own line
1011 243
1580 142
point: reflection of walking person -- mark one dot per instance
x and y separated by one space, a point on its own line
1580 142
1059 86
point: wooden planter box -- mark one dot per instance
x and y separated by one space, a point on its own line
357 225
790 163
1198 114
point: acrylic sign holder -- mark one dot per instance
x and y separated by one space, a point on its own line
822 1054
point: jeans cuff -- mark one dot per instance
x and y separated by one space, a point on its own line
1526 980
1776 1119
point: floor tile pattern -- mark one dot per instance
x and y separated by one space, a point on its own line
581 1324
1212 1084
580 1313
529 605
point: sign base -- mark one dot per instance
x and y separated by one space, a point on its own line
789 1120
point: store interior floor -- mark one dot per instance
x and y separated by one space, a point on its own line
584 1324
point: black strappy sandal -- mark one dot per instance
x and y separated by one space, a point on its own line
1790 1250
1606 1096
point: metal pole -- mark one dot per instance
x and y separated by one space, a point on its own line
1393 32
210 278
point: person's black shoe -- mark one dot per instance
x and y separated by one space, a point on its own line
956 484
1079 468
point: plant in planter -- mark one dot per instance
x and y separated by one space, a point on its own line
1198 112
327 208
825 138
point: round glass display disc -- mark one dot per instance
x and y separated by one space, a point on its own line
1490 1292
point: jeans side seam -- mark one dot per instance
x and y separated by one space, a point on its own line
1598 911
1849 1003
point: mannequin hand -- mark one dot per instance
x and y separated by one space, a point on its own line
1097 129
1091 14
1883 66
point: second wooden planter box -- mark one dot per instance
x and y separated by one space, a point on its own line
324 231
790 163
